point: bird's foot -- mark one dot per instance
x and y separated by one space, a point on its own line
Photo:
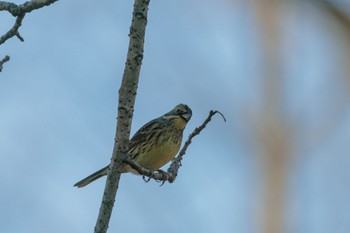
146 178
164 175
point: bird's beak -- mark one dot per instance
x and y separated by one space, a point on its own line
186 116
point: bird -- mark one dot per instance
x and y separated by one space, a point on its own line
154 144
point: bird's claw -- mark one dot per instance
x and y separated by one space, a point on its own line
164 175
146 178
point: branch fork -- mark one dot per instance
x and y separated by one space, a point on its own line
19 11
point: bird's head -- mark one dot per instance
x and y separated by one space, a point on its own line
180 111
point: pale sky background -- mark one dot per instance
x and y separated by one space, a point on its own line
58 102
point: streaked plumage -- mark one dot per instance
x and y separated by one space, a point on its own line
154 144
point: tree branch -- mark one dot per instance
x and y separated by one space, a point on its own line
5 59
19 11
127 94
172 171
26 7
13 31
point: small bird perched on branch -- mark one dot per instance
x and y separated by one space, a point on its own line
154 144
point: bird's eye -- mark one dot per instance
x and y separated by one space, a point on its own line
178 111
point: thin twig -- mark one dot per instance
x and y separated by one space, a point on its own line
14 30
176 163
19 37
5 59
172 171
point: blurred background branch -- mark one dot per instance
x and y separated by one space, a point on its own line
271 128
277 134
342 17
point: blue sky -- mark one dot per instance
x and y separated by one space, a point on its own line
58 101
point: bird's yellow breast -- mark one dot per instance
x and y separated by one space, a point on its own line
164 149
158 156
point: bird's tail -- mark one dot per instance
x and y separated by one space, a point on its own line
92 177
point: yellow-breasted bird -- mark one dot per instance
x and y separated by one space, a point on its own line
154 144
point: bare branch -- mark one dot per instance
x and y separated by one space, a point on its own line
172 171
10 7
156 175
127 94
176 163
5 59
35 4
19 11
13 31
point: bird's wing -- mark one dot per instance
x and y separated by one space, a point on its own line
144 134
